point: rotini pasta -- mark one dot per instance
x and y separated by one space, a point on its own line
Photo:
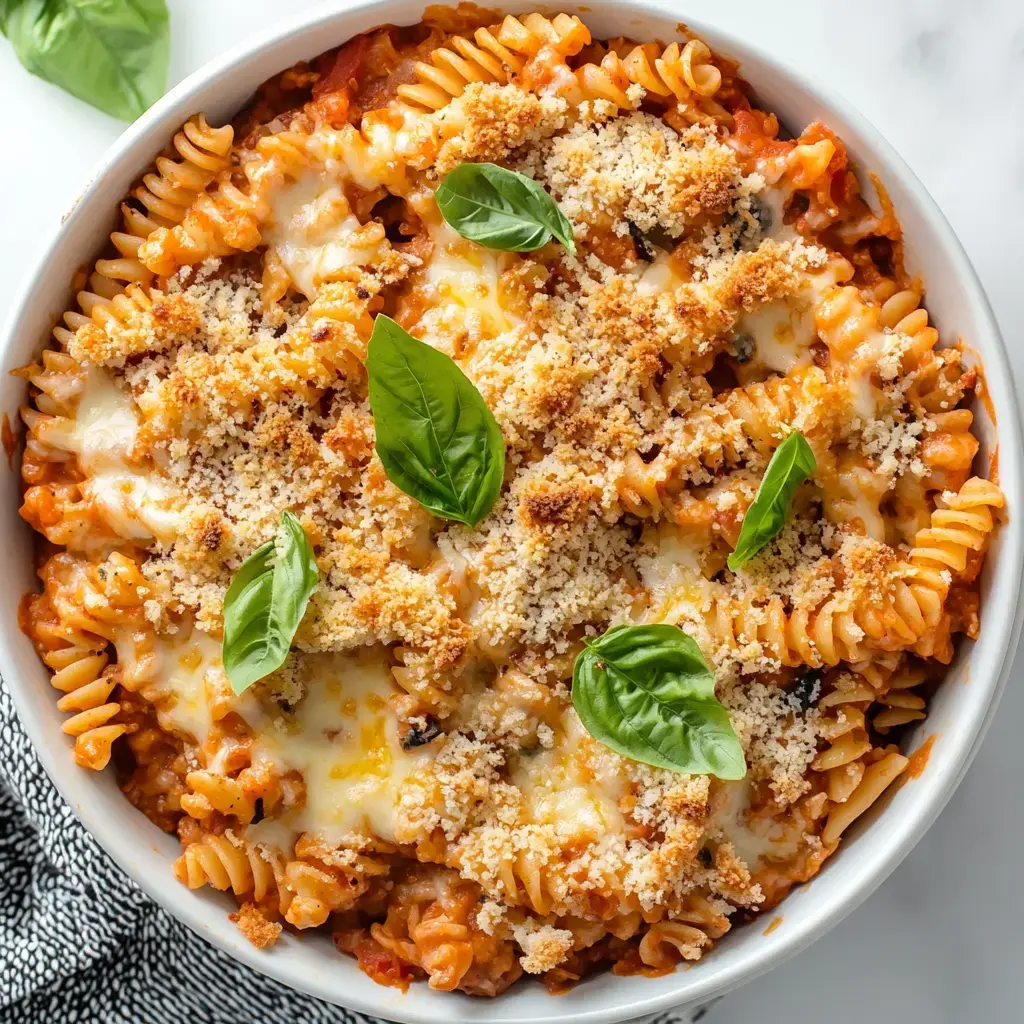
415 777
493 56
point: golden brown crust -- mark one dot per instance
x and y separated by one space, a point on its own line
255 927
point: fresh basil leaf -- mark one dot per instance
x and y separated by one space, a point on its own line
501 209
110 53
436 437
792 463
265 604
648 693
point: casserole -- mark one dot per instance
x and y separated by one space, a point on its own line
957 307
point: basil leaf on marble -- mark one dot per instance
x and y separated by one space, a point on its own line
110 53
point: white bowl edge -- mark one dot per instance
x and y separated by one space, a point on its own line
875 849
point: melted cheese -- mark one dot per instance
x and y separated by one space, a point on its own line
672 575
186 665
782 335
774 200
756 838
862 490
783 331
468 277
571 786
378 152
135 506
106 427
343 739
315 234
189 683
659 276
134 503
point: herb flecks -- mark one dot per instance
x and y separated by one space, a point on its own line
419 736
643 248
806 688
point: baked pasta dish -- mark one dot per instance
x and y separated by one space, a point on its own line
502 502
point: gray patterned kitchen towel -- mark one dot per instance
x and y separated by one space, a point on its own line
80 943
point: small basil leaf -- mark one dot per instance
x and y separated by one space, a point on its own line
501 209
110 53
265 604
648 693
792 463
436 437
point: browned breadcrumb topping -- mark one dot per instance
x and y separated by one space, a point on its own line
543 945
635 169
488 122
779 737
629 469
246 420
255 927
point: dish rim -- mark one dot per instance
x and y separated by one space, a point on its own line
1003 620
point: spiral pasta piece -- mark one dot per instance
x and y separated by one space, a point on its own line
81 609
226 219
442 945
53 502
87 684
767 410
755 417
843 628
317 892
959 526
432 690
209 792
845 321
903 314
948 449
103 307
686 942
247 869
940 382
431 924
453 67
166 193
304 889
494 55
685 76
841 761
824 636
876 779
646 488
117 285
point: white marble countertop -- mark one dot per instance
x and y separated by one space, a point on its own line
944 81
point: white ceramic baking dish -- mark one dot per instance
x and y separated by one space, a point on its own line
959 714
